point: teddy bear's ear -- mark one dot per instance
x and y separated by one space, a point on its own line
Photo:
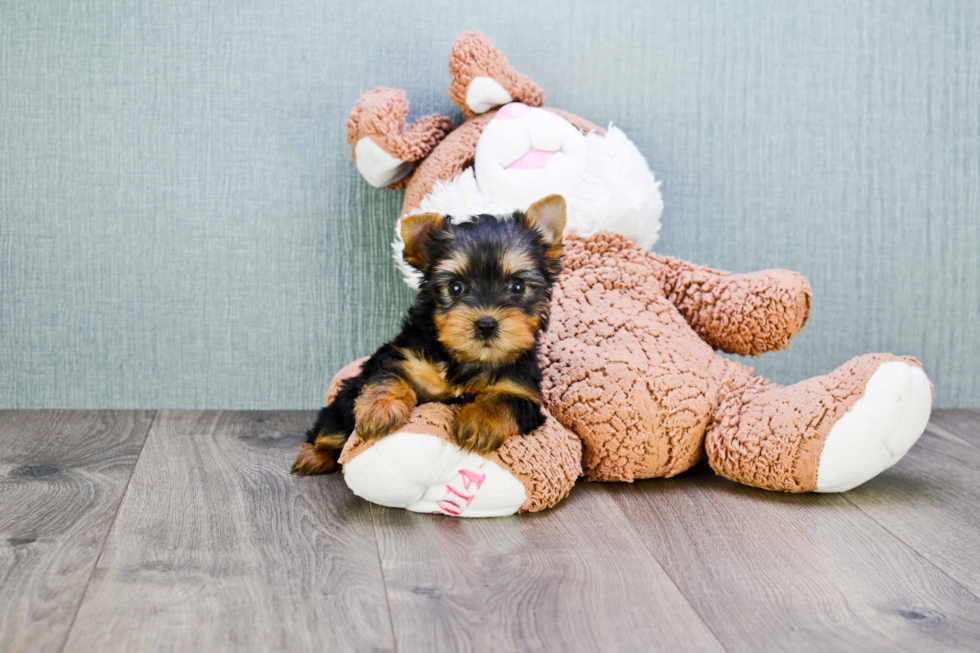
481 78
384 149
548 216
417 231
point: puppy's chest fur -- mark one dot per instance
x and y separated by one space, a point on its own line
453 383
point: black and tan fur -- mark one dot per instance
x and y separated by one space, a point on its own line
470 338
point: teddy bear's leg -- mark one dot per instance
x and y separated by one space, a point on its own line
420 468
481 78
384 148
825 434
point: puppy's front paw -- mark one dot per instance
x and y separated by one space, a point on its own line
483 427
382 407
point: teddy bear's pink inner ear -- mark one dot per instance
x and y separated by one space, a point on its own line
548 216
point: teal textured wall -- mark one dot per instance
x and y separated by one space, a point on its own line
181 226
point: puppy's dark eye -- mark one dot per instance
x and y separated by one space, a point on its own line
456 289
516 286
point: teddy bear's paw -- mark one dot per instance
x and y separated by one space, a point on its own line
425 473
878 429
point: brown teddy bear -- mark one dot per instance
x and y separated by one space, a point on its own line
632 381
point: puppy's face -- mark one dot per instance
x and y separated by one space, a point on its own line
489 279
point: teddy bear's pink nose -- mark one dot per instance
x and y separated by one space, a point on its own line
511 111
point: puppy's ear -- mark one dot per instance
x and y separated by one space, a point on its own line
548 217
417 230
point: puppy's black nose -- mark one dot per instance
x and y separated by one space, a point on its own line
486 327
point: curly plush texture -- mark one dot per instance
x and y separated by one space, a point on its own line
474 55
621 369
770 436
380 115
547 461
746 314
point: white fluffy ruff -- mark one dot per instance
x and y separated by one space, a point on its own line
611 188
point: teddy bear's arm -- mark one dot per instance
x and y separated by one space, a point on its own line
383 147
746 314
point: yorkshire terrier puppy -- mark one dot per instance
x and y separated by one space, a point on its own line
470 338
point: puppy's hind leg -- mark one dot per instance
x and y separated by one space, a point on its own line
323 443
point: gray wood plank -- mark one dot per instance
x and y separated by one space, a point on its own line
62 476
776 572
216 547
929 499
575 578
962 425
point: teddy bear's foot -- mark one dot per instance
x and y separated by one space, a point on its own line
878 429
424 473
481 78
420 468
384 148
825 434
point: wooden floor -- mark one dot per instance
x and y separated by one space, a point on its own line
183 531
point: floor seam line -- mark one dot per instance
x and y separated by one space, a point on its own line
965 441
666 573
112 524
912 548
384 583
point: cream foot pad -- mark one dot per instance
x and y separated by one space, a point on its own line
878 429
